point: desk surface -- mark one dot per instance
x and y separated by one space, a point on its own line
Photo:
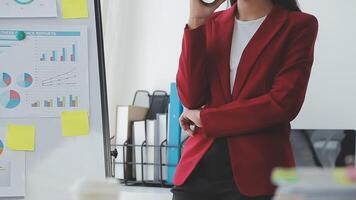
144 193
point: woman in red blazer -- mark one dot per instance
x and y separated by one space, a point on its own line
240 137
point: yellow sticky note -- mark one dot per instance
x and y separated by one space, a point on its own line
341 177
284 176
74 9
75 123
20 137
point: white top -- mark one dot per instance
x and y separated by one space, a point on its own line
243 32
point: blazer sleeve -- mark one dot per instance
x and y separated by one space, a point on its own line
192 81
281 104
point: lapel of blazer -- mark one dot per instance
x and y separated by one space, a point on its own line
223 27
268 29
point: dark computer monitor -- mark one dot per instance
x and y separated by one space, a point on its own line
324 148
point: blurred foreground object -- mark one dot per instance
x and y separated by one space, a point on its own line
315 183
95 189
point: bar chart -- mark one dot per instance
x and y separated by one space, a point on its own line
1 147
68 101
61 102
48 103
36 104
73 100
64 54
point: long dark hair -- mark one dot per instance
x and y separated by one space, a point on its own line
291 5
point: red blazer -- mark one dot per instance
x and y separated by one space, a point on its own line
269 91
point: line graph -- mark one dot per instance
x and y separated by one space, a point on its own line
66 79
56 78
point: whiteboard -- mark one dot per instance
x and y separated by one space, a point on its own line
57 161
331 97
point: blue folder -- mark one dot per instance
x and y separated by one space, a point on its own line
174 133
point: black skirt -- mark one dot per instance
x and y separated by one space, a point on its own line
212 179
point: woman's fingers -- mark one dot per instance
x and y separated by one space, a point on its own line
195 117
218 3
200 12
213 4
185 123
181 122
190 132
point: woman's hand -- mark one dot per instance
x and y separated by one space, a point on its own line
188 118
200 12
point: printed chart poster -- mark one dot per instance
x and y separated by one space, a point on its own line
28 8
12 171
44 74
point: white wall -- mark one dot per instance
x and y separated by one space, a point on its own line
143 43
143 40
330 100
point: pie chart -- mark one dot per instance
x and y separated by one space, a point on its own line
25 80
24 1
1 147
10 99
5 80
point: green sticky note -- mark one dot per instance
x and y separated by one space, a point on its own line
75 123
75 9
20 137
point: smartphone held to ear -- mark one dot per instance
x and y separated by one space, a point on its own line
208 2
